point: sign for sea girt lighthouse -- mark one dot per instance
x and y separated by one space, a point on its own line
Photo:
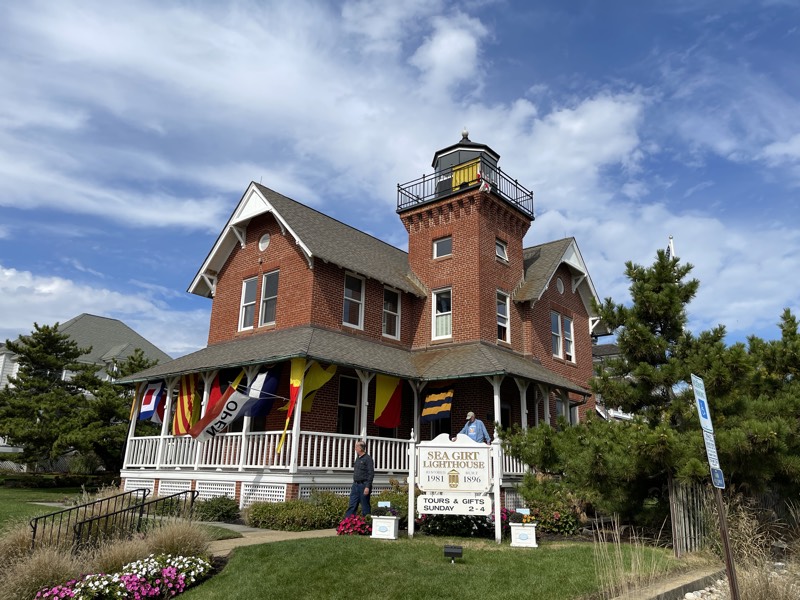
454 468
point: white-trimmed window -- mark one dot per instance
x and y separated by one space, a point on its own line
442 247
442 314
349 401
503 333
391 313
561 335
269 298
247 314
353 313
501 249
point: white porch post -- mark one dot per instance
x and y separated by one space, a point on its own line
165 422
365 377
251 373
416 387
298 411
208 379
522 386
496 380
546 399
137 400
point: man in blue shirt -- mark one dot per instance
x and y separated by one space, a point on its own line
363 473
475 429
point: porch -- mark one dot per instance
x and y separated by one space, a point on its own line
256 452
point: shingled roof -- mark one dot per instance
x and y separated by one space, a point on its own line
110 340
326 346
540 264
322 237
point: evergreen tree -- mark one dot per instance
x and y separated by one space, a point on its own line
56 403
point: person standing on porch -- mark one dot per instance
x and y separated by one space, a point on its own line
363 473
475 429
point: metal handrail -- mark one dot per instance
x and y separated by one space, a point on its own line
133 519
58 523
469 175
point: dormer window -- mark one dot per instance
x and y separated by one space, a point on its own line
443 247
501 249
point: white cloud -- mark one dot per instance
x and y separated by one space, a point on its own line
27 298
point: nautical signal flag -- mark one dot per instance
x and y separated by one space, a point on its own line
220 385
437 403
388 397
315 378
202 430
262 392
152 402
187 409
295 383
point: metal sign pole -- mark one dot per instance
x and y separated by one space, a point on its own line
717 478
733 584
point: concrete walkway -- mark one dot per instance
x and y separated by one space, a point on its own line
252 536
677 586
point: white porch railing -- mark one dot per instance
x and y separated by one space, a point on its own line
317 452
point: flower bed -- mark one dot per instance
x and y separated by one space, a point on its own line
160 576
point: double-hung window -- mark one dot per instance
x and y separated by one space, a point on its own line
391 313
353 313
502 317
442 314
349 400
247 313
561 335
269 298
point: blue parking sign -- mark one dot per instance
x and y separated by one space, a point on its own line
717 479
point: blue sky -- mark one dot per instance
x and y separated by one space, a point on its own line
129 131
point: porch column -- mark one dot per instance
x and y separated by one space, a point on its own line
251 373
137 401
365 377
298 411
165 422
546 399
522 386
496 380
416 387
208 379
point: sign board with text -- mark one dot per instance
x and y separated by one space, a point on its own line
699 387
454 504
445 466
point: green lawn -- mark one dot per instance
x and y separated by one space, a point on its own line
347 567
16 503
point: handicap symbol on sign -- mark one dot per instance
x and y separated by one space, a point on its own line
717 479
703 411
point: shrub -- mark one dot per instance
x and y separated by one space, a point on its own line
397 495
354 525
455 525
178 537
322 511
555 521
111 557
20 579
221 508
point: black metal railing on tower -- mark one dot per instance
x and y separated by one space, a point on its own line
453 180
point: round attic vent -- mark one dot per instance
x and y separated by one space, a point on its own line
263 243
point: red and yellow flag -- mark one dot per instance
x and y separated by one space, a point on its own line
187 409
388 397
295 381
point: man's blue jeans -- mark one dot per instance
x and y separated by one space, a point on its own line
357 495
